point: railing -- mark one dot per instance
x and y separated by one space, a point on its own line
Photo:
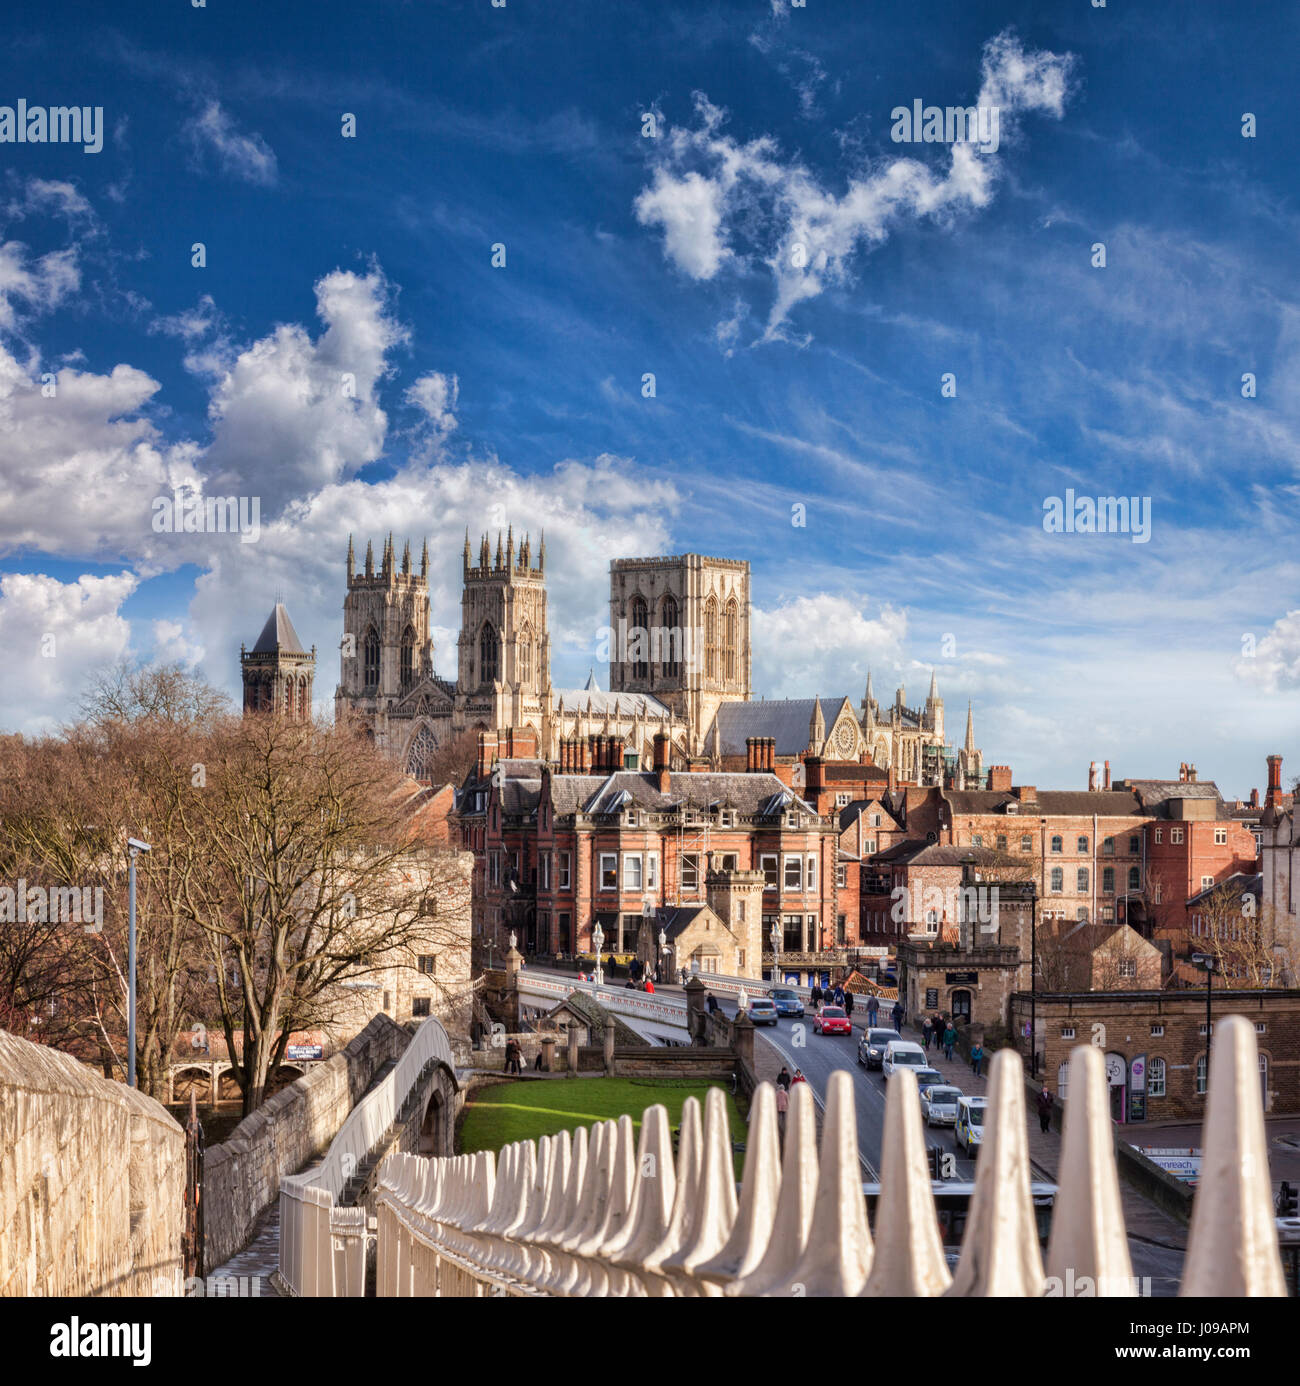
322 1245
598 1213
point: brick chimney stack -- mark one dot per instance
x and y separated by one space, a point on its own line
661 761
753 754
769 754
1106 782
1254 798
1274 781
1000 778
814 776
481 760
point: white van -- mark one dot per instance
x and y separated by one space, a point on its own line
902 1054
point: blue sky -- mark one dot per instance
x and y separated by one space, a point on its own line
797 283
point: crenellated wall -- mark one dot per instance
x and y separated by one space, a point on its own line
92 1180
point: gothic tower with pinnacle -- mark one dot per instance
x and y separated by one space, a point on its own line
277 672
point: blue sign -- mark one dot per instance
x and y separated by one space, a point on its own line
305 1051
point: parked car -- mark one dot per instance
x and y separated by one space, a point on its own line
832 1020
902 1054
762 1010
787 1002
872 1045
968 1131
939 1104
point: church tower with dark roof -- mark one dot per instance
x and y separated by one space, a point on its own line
278 673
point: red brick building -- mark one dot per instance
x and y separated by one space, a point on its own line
560 848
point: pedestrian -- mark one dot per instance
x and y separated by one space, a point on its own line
798 1077
783 1078
782 1106
682 973
1045 1109
816 996
977 1057
711 1001
897 1014
949 1039
848 1004
927 1032
512 1057
649 986
873 1011
839 995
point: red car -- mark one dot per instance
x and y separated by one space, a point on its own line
832 1020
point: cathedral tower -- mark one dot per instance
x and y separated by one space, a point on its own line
277 672
386 649
679 629
504 654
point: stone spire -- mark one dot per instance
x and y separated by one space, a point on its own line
498 562
406 559
510 546
483 555
467 552
352 559
370 558
541 554
816 727
424 558
934 686
970 731
388 555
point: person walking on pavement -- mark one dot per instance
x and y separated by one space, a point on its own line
782 1106
927 1032
897 1014
783 1078
977 1058
815 996
873 1011
949 1039
848 1005
798 1077
1045 1109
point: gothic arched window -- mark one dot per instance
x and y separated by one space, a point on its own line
711 638
729 642
370 650
304 704
524 667
288 697
672 639
639 638
489 654
408 659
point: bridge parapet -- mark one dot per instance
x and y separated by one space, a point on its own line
600 1213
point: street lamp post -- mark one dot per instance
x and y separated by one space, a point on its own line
1033 979
775 936
664 950
1206 960
597 943
134 847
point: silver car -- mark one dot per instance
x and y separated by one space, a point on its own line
939 1104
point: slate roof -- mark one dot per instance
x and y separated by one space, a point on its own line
603 703
278 634
1155 794
1240 882
916 853
676 918
1051 803
751 794
784 719
850 813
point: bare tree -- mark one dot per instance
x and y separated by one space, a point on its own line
310 879
1242 936
454 759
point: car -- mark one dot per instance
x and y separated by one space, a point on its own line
928 1077
831 1020
902 1054
872 1045
762 1010
968 1129
939 1104
787 1002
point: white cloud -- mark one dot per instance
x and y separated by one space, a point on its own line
56 637
171 644
435 396
708 190
291 414
823 643
79 470
244 156
1275 665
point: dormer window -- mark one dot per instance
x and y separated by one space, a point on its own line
792 820
1012 806
631 818
726 818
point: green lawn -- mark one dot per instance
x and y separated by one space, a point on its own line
505 1112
